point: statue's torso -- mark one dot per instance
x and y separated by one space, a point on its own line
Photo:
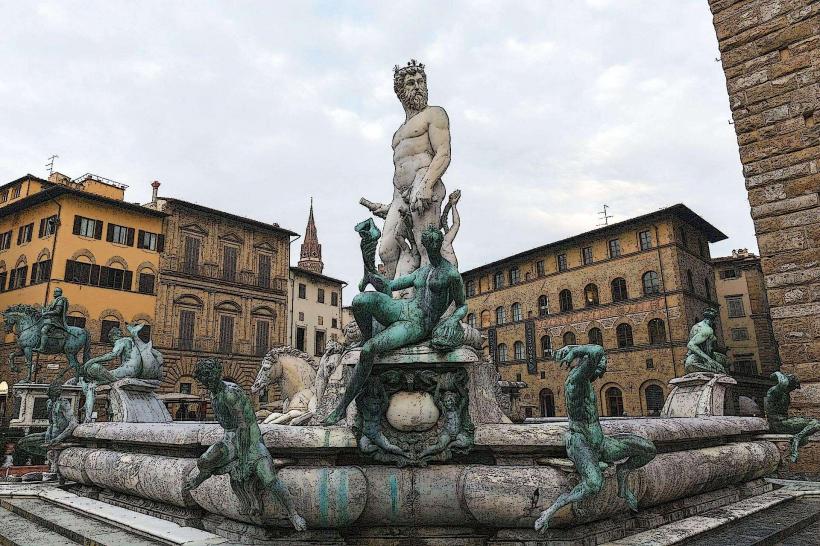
412 150
432 292
582 408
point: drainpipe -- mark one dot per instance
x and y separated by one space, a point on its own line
665 299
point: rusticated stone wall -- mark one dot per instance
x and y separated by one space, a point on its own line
770 50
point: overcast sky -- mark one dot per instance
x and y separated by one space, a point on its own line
555 108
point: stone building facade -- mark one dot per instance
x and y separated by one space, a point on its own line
222 291
636 287
315 299
744 315
769 51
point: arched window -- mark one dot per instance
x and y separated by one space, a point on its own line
515 276
502 352
590 295
614 402
657 331
485 319
518 350
654 399
498 280
596 337
500 315
546 346
619 289
689 280
543 306
651 283
708 288
624 334
471 319
516 312
547 403
565 300
569 339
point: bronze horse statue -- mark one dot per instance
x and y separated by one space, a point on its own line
26 321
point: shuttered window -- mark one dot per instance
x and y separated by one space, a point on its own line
229 263
190 263
262 337
263 278
87 227
187 321
120 235
226 334
95 275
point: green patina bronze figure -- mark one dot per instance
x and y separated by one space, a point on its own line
139 361
777 403
436 286
587 446
45 331
703 355
240 453
452 400
61 424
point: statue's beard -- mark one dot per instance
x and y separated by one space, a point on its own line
416 101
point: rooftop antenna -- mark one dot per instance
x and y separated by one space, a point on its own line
50 164
604 216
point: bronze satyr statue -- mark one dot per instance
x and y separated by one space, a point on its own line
703 355
777 403
586 444
240 453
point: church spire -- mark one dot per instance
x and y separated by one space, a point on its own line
310 257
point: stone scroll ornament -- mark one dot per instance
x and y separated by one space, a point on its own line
587 446
776 403
702 355
240 453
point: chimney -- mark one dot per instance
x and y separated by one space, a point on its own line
155 186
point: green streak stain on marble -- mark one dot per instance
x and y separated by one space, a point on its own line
342 499
327 439
324 497
394 494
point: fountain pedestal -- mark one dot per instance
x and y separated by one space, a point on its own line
697 394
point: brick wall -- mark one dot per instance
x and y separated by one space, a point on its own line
770 51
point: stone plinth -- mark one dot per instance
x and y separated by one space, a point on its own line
697 395
33 395
135 401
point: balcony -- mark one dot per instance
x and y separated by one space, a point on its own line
213 272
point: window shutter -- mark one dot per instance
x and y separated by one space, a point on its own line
12 276
77 220
98 229
42 227
160 243
23 273
95 275
20 235
140 239
34 267
130 237
128 278
109 233
69 271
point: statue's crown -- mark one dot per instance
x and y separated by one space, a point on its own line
412 63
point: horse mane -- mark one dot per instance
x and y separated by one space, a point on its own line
25 309
287 350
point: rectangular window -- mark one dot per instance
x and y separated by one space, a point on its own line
40 272
320 295
120 235
4 196
146 283
262 337
645 239
187 321
87 227
15 191
300 338
319 346
586 254
515 276
729 274
105 329
614 248
334 299
24 234
321 320
72 320
150 241
3 277
190 263
334 323
226 334
745 367
95 275
302 291
562 262
539 268
301 316
264 266
498 280
5 240
17 278
740 334
117 279
734 305
229 254
185 388
48 226
650 364
470 289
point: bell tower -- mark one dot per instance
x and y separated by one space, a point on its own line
310 256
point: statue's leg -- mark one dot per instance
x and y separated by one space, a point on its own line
27 352
591 478
637 450
389 249
802 428
213 461
374 305
267 475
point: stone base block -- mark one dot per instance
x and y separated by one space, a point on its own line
35 395
697 394
135 401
